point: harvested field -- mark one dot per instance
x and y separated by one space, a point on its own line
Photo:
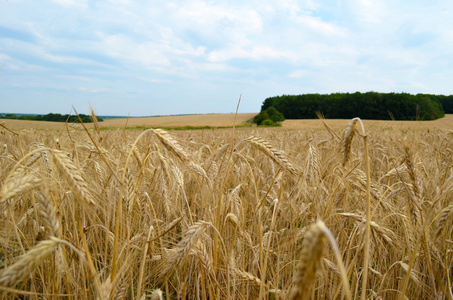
337 211
445 123
213 120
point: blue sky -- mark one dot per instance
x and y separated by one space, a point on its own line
182 57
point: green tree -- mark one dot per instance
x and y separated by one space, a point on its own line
259 118
275 115
267 122
269 117
370 105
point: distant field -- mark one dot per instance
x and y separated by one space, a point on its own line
213 120
220 120
444 123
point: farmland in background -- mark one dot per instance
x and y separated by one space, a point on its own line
227 120
213 120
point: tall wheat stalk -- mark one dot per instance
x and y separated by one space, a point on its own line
346 149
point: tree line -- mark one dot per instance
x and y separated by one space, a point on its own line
51 117
370 105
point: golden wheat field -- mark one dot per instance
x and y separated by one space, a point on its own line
352 211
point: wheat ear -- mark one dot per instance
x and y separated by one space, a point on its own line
312 247
310 258
49 215
248 277
204 257
312 167
417 183
276 155
27 263
156 295
173 146
183 248
129 197
94 118
445 216
415 189
73 174
346 143
17 184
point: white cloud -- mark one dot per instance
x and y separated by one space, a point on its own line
369 11
298 73
4 57
207 17
81 78
125 48
319 26
69 3
94 90
256 53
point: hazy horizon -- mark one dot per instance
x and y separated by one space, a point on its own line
123 116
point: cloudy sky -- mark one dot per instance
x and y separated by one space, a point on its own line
194 56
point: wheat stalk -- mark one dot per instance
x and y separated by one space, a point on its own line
332 133
13 132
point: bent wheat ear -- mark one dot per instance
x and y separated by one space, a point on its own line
16 185
248 277
27 263
275 154
445 216
181 251
73 174
310 258
172 145
94 118
332 133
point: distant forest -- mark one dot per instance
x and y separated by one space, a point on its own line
51 117
370 105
